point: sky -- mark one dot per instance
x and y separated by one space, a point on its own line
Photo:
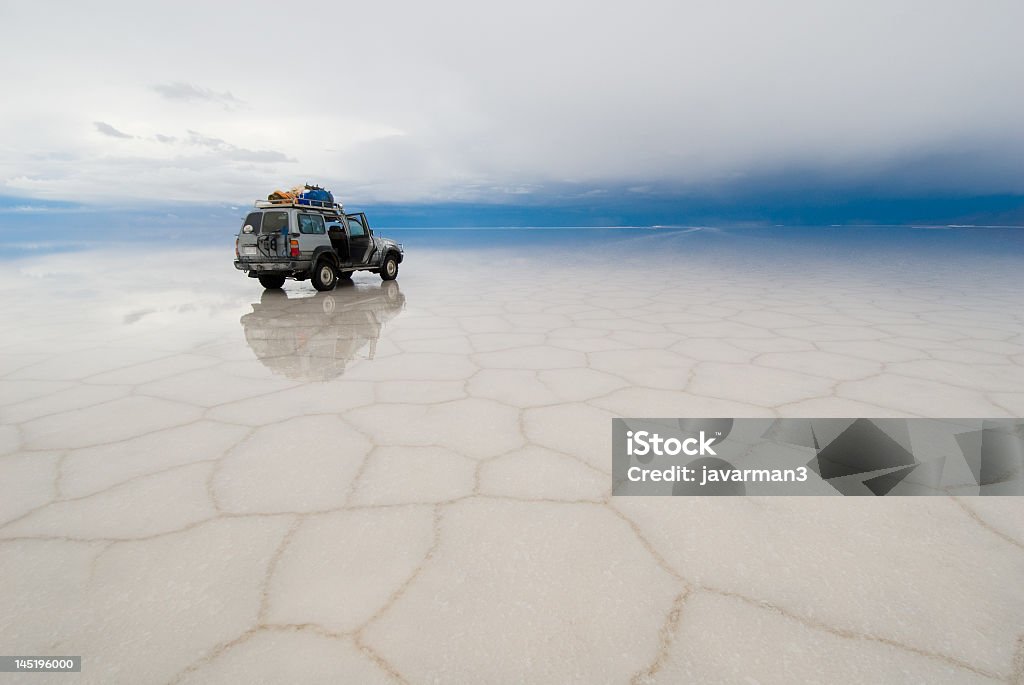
500 103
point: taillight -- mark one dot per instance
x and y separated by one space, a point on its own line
295 248
236 248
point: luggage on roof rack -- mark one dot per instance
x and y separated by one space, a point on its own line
283 197
305 195
316 196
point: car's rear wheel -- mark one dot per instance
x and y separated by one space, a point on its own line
271 282
324 276
389 269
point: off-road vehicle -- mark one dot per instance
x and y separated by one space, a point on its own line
304 238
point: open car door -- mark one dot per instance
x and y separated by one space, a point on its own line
359 241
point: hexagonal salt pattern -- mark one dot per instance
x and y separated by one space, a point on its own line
409 482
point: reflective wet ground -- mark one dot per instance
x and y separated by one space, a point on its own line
410 481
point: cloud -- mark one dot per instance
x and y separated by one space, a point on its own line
259 156
179 90
158 166
682 97
233 152
197 138
224 149
108 130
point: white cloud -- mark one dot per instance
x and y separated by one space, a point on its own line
463 100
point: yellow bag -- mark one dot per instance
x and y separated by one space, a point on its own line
282 197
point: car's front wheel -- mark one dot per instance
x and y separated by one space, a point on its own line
324 276
271 282
389 269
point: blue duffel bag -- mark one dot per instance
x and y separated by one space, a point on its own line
317 197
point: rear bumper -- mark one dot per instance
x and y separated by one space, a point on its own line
279 266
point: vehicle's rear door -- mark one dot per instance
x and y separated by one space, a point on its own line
272 238
358 238
312 233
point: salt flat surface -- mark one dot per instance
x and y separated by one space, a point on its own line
411 481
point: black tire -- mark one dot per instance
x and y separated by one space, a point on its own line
271 282
389 269
324 276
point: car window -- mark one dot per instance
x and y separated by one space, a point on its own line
273 222
255 219
355 227
311 223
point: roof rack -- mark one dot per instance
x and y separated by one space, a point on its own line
302 203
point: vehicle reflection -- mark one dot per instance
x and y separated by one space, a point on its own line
315 337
